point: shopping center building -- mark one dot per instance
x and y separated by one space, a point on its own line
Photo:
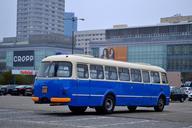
166 45
25 57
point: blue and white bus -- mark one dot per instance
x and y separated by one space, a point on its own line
82 81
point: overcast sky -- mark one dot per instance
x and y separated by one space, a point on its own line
100 14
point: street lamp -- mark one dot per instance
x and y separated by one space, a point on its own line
73 19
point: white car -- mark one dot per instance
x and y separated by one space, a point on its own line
187 87
187 90
190 96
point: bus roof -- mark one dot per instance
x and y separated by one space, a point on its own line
99 61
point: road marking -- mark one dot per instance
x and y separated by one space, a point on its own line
14 112
115 124
84 119
188 126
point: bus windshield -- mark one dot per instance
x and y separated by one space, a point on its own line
55 69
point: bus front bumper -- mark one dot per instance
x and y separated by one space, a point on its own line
51 100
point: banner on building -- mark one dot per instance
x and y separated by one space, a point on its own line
23 58
24 72
114 53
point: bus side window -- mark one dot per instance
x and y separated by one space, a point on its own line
82 71
164 78
111 73
146 76
96 72
155 77
124 74
136 75
64 69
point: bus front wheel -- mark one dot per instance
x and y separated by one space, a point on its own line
160 105
108 105
77 110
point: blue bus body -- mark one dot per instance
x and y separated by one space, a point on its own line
92 92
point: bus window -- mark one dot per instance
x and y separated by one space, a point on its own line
55 69
52 71
64 69
82 71
124 74
164 78
44 69
155 77
136 75
146 76
110 73
96 72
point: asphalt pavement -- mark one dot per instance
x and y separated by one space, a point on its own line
21 112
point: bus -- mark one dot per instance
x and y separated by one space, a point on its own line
83 81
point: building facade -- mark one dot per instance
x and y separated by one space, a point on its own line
178 18
83 38
39 17
70 25
167 45
26 56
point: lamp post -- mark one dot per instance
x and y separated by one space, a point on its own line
73 19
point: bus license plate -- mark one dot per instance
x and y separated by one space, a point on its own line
44 89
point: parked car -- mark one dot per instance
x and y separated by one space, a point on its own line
187 87
22 90
178 94
190 96
1 92
7 89
28 91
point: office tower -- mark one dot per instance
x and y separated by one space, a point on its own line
70 26
36 17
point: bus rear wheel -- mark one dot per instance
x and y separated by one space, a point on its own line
108 105
132 108
77 110
160 105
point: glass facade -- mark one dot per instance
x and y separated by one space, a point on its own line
179 58
150 54
168 46
39 54
70 26
151 32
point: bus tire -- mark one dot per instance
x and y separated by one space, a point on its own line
77 110
160 105
108 105
132 108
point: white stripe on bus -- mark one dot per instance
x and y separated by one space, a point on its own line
120 96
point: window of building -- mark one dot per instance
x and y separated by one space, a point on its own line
135 75
82 71
155 77
146 76
110 73
96 72
124 74
164 78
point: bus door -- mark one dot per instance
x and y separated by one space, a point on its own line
98 85
137 92
83 87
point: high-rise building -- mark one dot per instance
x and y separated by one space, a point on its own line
36 17
70 25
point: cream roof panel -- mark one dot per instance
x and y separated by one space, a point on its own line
92 60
